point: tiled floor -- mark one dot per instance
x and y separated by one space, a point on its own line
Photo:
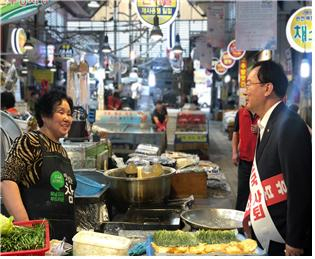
220 152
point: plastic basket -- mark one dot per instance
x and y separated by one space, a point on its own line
32 252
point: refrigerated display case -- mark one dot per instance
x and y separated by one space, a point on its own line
192 133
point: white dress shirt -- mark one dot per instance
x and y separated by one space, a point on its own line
262 123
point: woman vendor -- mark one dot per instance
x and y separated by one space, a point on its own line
37 180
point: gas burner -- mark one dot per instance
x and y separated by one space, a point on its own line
149 217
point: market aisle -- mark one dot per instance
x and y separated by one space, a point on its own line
220 153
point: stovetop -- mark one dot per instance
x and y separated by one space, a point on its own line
150 217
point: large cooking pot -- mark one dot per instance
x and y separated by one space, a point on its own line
125 191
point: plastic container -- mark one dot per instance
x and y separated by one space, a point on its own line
36 252
99 244
87 186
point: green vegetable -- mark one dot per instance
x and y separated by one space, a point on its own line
23 238
215 236
174 238
6 224
181 238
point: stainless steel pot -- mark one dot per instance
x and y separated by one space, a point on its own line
126 191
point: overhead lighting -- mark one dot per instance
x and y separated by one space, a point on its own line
305 68
156 33
26 59
227 78
28 45
93 4
106 49
24 70
151 79
53 68
177 48
107 71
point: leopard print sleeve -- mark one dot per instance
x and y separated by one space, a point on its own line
24 159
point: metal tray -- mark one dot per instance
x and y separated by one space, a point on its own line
211 218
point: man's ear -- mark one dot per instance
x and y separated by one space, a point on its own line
269 89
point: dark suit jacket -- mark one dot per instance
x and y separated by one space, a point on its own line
286 147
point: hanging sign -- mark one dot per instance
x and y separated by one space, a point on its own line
15 10
50 55
226 60
234 52
166 11
242 77
256 25
219 69
18 40
65 51
299 30
242 73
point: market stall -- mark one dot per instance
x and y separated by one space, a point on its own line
127 129
192 133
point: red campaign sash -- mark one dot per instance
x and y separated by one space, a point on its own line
262 194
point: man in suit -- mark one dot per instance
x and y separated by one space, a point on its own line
280 206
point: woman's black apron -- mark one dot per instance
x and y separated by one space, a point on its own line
52 197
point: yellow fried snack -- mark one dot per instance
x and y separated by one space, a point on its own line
160 249
247 246
200 249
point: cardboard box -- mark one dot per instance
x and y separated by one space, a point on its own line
185 184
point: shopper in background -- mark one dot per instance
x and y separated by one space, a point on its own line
8 103
243 150
114 102
294 107
37 180
159 116
280 203
32 100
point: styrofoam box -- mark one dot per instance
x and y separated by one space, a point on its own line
98 244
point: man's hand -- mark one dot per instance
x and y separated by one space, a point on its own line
289 250
235 158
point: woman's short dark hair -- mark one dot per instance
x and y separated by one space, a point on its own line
7 100
271 72
46 104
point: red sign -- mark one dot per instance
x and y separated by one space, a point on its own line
234 52
220 69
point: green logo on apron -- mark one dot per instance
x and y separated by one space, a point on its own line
57 180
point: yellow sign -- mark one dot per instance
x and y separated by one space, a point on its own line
192 138
299 30
166 10
242 76
41 75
